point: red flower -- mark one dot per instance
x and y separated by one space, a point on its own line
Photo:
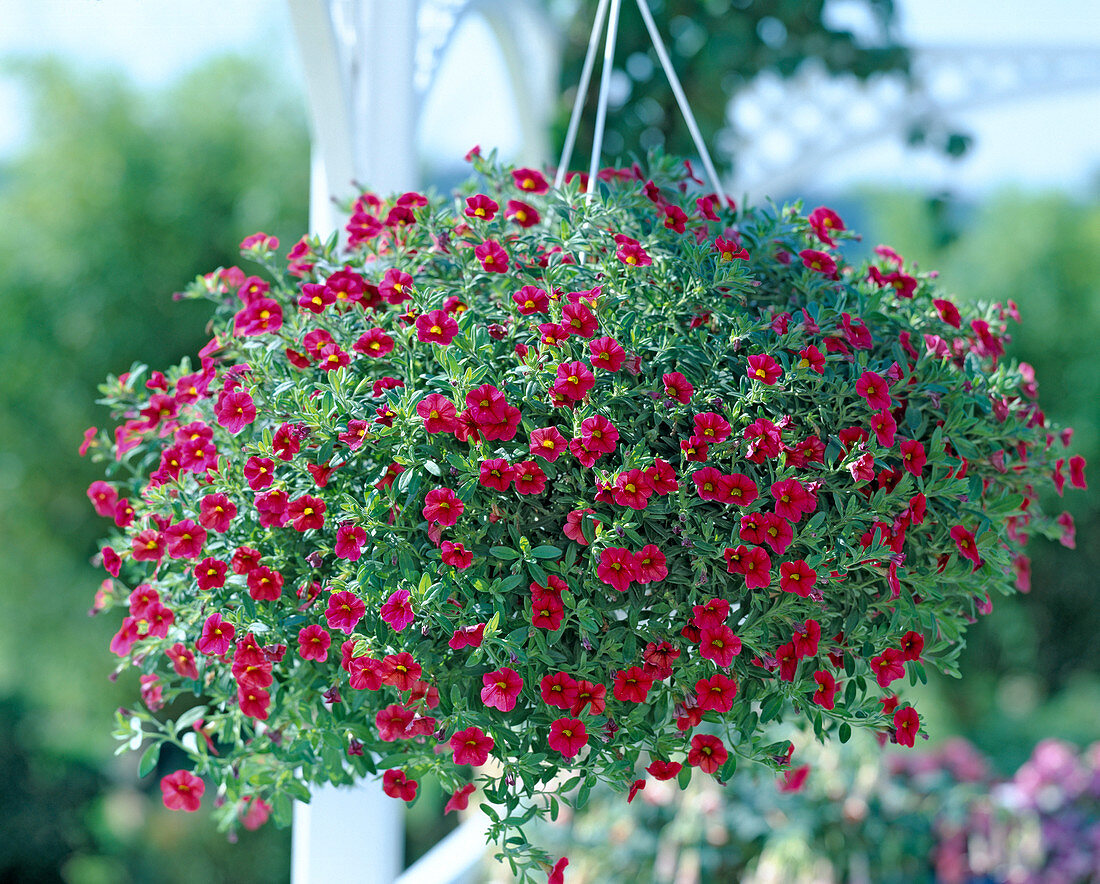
650 564
606 353
397 785
182 790
573 382
577 319
716 692
530 180
617 568
216 512
806 639
572 528
547 443
480 206
559 689
811 358
264 584
456 555
568 736
718 643
824 221
460 800
598 434
492 257
374 343
730 249
711 428
874 389
756 566
707 753
632 254
557 873
349 542
912 645
183 661
764 369
104 498
888 667
261 316
397 610
217 635
496 473
677 387
442 507
501 688
863 468
968 548
825 695
797 577
912 456
531 299
306 512
708 483
819 262
794 780
521 213
660 769
313 643
632 685
792 499
547 610
530 479
395 285
467 637
884 426
906 725
436 327
210 574
235 410
185 539
259 472
345 610
472 746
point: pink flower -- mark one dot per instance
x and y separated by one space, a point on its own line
471 746
261 316
492 257
711 428
573 382
825 695
313 643
460 800
185 539
439 413
717 693
530 479
530 180
395 285
345 610
547 443
531 299
819 262
523 214
501 689
966 544
764 369
456 555
632 254
607 353
442 507
874 389
496 473
349 542
397 785
677 387
863 468
374 343
182 790
480 206
797 577
650 564
235 410
217 635
568 736
397 610
436 327
824 221
617 568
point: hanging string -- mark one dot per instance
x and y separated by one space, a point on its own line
605 90
582 93
681 98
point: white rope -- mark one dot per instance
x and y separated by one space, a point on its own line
681 99
605 89
582 93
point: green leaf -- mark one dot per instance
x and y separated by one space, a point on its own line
504 552
845 732
546 552
149 759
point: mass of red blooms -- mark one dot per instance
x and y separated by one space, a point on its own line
606 498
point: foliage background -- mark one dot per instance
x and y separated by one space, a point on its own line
121 196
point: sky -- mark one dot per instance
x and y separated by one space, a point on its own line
1046 141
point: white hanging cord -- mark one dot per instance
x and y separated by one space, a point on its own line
582 92
605 89
681 99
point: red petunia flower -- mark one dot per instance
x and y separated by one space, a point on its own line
632 685
481 206
456 555
884 427
660 769
182 790
501 688
708 753
530 479
966 544
373 343
217 635
819 262
523 214
531 299
606 353
471 746
547 443
345 610
460 800
825 695
442 507
574 380
306 512
718 643
824 221
397 610
530 180
313 643
617 568
874 389
492 257
765 369
906 725
568 736
797 577
888 667
436 327
397 785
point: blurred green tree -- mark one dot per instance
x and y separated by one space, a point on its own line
117 200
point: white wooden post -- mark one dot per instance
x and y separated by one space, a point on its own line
359 59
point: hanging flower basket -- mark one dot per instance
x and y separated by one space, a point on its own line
526 493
